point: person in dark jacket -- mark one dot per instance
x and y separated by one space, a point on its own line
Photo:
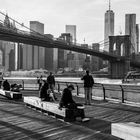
39 81
15 87
68 102
66 99
51 81
6 85
88 84
43 92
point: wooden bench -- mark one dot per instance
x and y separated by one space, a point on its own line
127 131
11 94
53 108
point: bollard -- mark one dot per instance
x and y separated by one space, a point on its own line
66 84
58 87
77 89
103 91
23 84
122 93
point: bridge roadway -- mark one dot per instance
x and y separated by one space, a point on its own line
19 122
40 40
18 36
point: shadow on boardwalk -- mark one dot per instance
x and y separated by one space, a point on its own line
103 113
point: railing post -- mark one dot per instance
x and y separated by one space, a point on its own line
58 87
103 91
22 84
66 84
122 93
77 89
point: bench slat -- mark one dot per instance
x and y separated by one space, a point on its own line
11 94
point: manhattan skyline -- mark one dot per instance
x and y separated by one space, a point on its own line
87 15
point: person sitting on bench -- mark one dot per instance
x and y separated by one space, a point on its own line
6 85
15 87
45 93
50 95
68 102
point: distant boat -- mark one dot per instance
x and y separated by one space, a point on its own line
131 76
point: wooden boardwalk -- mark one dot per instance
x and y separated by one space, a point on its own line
19 122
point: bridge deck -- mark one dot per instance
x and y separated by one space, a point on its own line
19 122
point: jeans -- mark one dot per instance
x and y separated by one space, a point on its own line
88 95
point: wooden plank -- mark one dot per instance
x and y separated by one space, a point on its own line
18 122
33 125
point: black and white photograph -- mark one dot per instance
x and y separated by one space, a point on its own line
69 70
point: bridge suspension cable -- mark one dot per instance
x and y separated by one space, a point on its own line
21 24
103 41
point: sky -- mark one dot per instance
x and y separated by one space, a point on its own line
87 15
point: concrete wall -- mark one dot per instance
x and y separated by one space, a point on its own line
126 131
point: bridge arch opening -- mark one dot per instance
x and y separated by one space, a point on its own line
122 49
114 47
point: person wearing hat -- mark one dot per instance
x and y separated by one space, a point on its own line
66 99
68 102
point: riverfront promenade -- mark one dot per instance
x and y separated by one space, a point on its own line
19 122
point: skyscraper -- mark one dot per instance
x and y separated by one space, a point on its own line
72 30
95 61
109 26
62 54
33 57
38 52
137 36
20 56
8 51
51 57
130 29
74 64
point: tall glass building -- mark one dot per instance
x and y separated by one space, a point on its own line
108 27
130 29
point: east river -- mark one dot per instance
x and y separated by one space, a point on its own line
32 80
71 79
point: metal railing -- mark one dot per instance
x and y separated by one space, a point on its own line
122 93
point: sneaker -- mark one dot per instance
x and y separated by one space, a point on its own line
80 107
85 119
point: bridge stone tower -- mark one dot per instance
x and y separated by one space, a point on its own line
120 46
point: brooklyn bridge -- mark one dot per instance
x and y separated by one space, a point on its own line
121 56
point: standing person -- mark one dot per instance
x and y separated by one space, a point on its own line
39 81
51 81
88 84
